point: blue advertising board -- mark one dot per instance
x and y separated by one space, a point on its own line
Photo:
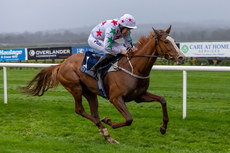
13 54
83 49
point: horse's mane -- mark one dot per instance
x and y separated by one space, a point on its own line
144 39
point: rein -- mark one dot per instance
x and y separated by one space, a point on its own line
148 56
144 56
130 57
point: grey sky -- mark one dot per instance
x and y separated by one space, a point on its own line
38 15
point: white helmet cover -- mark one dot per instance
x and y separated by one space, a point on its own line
128 21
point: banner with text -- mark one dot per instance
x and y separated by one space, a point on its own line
206 49
13 54
83 49
49 53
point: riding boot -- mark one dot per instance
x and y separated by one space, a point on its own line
105 60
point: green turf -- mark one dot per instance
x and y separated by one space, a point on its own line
49 123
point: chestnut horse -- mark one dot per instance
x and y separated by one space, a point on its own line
120 86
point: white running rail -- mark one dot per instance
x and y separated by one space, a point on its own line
189 68
4 65
155 67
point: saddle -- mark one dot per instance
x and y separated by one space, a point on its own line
90 59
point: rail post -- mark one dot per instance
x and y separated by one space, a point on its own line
184 93
5 85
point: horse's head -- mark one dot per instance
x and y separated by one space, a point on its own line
166 46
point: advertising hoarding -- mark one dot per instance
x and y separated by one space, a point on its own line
206 49
49 53
13 54
83 49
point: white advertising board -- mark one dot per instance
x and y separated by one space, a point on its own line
205 49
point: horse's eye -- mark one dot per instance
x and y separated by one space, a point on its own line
166 41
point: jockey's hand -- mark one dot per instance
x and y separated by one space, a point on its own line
133 49
124 52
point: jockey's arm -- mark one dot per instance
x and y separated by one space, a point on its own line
108 46
129 41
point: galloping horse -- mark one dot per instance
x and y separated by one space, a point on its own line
120 86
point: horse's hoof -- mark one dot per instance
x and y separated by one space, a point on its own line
106 119
162 130
103 120
112 141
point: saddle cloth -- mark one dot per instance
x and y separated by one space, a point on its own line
90 59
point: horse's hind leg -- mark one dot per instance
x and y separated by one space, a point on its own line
76 91
94 117
148 97
93 103
79 109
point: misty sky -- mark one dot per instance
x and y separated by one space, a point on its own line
39 15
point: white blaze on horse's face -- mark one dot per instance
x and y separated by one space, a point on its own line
180 58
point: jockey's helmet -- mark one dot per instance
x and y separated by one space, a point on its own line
127 21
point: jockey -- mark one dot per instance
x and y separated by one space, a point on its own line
102 38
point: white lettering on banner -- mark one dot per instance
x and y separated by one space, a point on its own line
11 52
80 50
6 56
51 52
206 49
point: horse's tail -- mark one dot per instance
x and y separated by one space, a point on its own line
44 80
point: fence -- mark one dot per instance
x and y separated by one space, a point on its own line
156 67
189 68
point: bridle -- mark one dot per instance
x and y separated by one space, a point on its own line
164 54
148 56
160 53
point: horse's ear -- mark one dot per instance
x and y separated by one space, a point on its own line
156 32
169 29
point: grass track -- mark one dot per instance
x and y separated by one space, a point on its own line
49 124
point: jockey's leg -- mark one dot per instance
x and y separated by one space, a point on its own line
103 61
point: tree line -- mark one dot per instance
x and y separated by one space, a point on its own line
201 36
69 38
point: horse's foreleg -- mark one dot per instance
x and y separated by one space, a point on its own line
148 97
121 107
